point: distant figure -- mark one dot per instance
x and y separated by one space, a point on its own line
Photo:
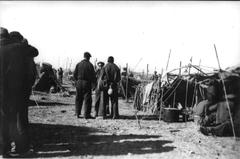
48 78
112 73
154 76
60 75
85 77
18 68
99 94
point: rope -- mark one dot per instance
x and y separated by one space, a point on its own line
173 90
175 81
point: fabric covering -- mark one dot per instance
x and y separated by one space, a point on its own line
147 92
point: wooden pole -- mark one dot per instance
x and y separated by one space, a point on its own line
147 71
225 94
190 66
137 64
186 97
161 100
174 97
95 64
127 82
180 68
70 65
168 59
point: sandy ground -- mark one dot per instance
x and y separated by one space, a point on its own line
56 132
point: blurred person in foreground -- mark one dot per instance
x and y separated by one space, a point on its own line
18 72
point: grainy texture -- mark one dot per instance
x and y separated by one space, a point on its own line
56 132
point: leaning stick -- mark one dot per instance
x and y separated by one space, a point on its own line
168 59
138 121
161 101
225 94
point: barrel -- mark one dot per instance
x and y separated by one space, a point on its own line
171 114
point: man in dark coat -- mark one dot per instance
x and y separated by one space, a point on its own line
22 139
4 126
15 70
85 77
113 77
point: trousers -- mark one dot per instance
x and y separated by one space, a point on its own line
83 95
114 103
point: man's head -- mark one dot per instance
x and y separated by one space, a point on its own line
16 36
100 64
87 55
110 59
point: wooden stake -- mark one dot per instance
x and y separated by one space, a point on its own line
180 68
168 59
147 71
225 94
127 82
186 97
174 97
161 104
137 64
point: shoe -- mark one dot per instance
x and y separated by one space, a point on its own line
89 117
78 115
115 117
100 117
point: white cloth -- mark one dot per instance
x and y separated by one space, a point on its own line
147 91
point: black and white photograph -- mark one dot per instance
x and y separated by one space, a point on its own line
120 79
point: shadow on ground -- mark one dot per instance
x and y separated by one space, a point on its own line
46 103
140 117
64 140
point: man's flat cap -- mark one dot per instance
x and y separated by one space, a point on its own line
110 59
87 54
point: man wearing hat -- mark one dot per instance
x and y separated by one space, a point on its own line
15 87
99 94
29 73
113 76
85 77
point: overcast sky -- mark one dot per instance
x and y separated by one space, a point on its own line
129 31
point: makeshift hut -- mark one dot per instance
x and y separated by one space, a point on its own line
176 91
220 113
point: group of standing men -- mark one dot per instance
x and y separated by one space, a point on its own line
17 76
105 83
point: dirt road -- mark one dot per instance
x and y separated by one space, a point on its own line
56 132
